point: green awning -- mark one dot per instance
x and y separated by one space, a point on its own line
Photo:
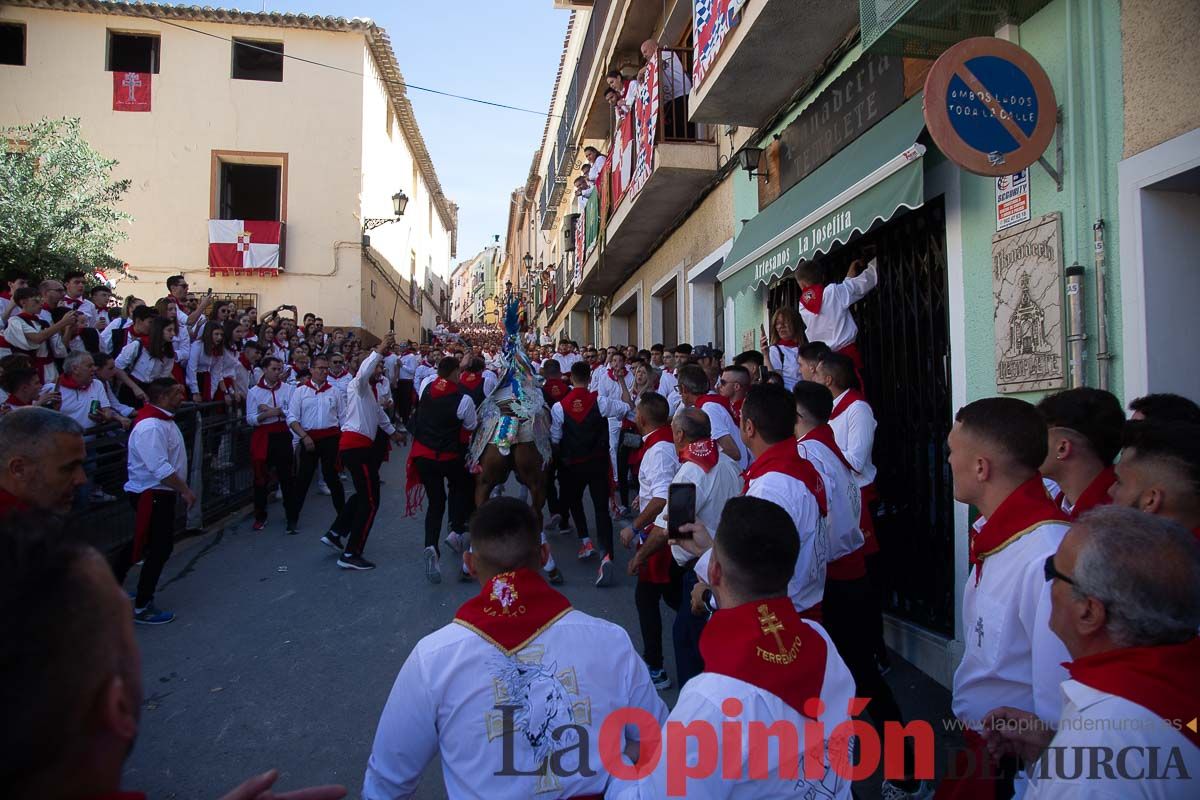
875 176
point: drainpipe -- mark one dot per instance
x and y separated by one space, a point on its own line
1103 356
1076 332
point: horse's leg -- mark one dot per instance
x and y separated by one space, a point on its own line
493 472
528 462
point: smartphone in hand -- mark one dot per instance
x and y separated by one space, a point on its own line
681 509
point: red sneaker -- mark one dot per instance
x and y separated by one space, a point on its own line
259 524
586 551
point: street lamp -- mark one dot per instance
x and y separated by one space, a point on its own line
527 261
749 158
399 203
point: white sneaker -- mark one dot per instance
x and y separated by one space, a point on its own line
433 566
455 541
323 489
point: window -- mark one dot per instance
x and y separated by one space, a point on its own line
257 61
250 191
12 44
132 52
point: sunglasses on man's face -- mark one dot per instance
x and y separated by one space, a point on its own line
1051 572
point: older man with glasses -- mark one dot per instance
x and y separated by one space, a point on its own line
1125 600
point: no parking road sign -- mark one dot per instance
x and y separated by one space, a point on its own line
989 106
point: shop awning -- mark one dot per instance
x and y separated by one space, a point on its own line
870 180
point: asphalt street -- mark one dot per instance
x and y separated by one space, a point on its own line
277 658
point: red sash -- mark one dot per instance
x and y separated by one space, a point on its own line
782 457
577 404
824 435
1161 679
765 644
1096 494
849 398
513 609
811 298
662 434
1026 509
703 454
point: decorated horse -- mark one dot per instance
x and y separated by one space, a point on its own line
514 424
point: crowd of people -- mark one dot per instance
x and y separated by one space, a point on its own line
1081 605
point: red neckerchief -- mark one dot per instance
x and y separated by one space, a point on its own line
34 318
811 297
178 303
1027 508
611 375
338 376
824 435
556 389
849 398
67 382
1160 678
324 387
11 504
262 384
471 380
245 362
513 609
149 411
13 400
719 399
47 308
782 457
1096 494
786 343
73 302
735 411
766 644
657 435
703 454
144 338
578 403
7 295
442 388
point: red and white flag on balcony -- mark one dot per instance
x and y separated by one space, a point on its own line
131 91
239 247
645 113
712 21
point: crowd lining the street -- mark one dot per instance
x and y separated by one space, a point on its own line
1082 602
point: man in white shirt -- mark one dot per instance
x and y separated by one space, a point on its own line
565 357
1011 657
764 666
519 664
674 85
41 461
608 383
694 390
32 335
271 441
177 290
1124 601
825 308
1159 470
733 385
74 298
158 472
717 478
313 416
84 399
406 373
1084 426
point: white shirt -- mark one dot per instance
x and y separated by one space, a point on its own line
408 366
612 409
1011 657
807 586
673 78
423 371
843 499
391 367
713 488
834 325
595 168
114 403
77 403
445 703
1092 719
183 337
700 701
658 467
155 453
218 368
341 383
854 432
666 383
120 323
279 397
137 362
785 360
364 415
315 411
85 307
565 362
16 335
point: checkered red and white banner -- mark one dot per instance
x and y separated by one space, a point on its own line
711 20
244 247
645 112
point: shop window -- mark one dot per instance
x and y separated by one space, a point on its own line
250 191
12 44
257 61
132 52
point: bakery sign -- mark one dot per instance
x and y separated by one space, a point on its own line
989 106
1027 290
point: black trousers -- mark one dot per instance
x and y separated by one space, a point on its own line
593 476
281 459
686 632
646 597
444 480
553 500
154 524
403 396
325 453
624 478
847 612
358 515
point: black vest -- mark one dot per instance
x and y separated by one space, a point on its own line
120 336
583 441
437 425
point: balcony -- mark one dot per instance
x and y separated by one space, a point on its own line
618 239
766 56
